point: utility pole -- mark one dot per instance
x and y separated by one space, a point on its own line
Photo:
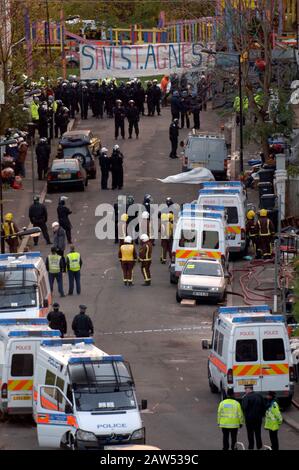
241 114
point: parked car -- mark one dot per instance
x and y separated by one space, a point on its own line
202 278
81 144
66 172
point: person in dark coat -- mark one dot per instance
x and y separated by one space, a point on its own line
109 100
174 136
150 99
195 106
57 117
59 238
38 216
139 97
64 119
105 165
117 168
82 324
175 104
63 213
74 98
133 118
84 101
43 122
253 406
119 119
43 151
185 109
57 320
157 94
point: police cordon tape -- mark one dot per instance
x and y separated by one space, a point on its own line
42 198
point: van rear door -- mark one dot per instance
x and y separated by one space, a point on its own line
274 359
246 358
20 376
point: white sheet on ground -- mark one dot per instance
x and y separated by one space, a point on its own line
198 175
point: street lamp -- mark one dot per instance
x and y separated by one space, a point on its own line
210 51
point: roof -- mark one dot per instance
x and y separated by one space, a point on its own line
259 318
35 328
62 350
23 260
79 132
203 259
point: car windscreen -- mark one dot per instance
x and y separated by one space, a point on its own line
72 166
203 269
69 152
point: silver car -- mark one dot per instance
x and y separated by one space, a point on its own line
202 278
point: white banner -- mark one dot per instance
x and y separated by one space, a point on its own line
139 61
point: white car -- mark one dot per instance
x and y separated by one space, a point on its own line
202 278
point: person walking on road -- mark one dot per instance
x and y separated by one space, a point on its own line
127 256
59 240
253 407
82 324
145 258
117 168
265 233
63 213
43 152
230 419
251 231
38 216
73 265
273 419
133 118
55 265
57 320
166 236
119 119
9 230
105 165
174 137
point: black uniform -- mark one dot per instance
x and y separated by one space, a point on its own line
156 99
38 216
82 325
150 100
196 107
139 98
105 166
173 136
117 169
109 101
133 118
43 122
73 99
63 213
84 102
43 151
57 321
119 120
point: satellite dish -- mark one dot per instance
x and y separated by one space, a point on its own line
295 97
295 85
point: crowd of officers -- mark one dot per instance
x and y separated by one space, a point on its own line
128 241
260 234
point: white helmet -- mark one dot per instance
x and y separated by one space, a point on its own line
104 149
144 237
55 224
116 147
15 136
128 239
145 215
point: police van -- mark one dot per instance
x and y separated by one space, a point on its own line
235 210
83 397
24 286
250 346
236 185
19 340
197 233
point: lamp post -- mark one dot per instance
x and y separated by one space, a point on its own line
239 55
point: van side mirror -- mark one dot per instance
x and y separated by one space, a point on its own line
143 405
205 344
68 409
46 303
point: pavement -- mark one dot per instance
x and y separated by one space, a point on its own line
160 338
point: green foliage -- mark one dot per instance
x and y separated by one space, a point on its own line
12 114
296 290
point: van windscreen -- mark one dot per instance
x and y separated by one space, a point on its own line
273 349
188 239
246 350
210 239
232 215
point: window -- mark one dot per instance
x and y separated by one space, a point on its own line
210 239
60 385
22 365
246 350
216 340
50 378
232 215
188 239
273 349
52 399
220 344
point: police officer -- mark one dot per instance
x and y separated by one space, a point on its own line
43 152
166 236
273 419
174 136
117 168
150 99
139 97
74 265
105 165
57 320
43 122
145 258
127 256
38 216
230 419
34 107
82 324
63 213
157 94
9 230
133 118
119 119
175 104
64 119
265 232
251 230
185 109
84 101
55 265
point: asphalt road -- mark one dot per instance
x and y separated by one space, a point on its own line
160 339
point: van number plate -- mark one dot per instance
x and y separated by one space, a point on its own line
22 397
247 382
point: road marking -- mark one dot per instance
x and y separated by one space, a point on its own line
161 330
187 389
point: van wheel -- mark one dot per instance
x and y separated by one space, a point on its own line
178 298
212 386
173 279
71 442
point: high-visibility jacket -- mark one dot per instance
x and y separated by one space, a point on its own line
34 110
127 252
145 252
54 264
230 414
273 418
122 229
9 229
74 259
166 230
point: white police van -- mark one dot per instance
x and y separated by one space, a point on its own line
250 346
83 397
